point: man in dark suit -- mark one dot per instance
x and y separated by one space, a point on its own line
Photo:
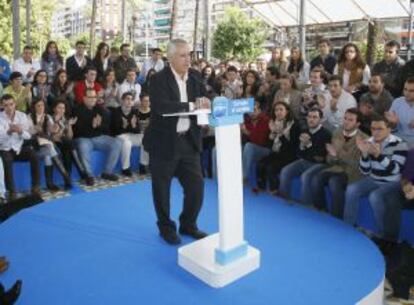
77 63
174 143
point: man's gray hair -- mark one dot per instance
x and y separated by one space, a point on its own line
172 46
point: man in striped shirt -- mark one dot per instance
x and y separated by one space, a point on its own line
382 160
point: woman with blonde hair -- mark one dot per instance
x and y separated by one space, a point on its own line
278 60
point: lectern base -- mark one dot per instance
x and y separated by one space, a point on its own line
198 258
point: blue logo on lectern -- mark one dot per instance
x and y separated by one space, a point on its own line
229 112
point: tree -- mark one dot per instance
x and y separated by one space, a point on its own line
238 37
41 14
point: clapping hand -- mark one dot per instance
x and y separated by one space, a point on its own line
305 139
55 128
331 150
374 149
97 121
334 104
124 123
72 121
134 121
392 117
408 190
362 145
15 128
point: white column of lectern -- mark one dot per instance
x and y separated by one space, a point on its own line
224 257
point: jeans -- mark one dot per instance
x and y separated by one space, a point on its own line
2 185
106 143
387 213
337 184
129 140
306 170
251 154
387 207
47 152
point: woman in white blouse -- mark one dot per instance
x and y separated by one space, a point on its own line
353 70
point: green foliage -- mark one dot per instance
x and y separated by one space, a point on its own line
379 51
6 44
238 37
40 24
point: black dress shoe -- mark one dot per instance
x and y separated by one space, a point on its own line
171 237
127 172
110 177
194 233
11 296
90 181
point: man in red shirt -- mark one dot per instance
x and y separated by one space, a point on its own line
88 83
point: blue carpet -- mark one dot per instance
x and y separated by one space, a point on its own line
103 248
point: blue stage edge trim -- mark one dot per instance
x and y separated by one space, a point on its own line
229 256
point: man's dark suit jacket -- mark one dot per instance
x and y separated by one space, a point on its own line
73 70
161 135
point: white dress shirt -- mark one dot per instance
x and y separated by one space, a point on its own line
15 140
334 119
150 64
134 88
24 67
184 121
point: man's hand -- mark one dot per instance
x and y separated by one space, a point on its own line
331 150
334 104
363 146
202 103
124 123
392 117
374 149
97 121
15 128
305 139
134 121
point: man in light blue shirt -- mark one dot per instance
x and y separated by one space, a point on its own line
401 114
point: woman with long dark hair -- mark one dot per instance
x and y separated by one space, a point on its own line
51 60
102 61
284 139
209 78
62 88
251 83
146 84
111 90
41 126
41 87
62 136
353 70
298 67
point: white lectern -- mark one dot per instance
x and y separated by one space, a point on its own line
224 257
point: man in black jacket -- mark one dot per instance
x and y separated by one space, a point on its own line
91 131
125 126
312 157
76 64
174 143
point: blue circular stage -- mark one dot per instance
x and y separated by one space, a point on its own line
102 248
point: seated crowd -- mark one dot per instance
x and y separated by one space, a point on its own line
337 123
59 112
